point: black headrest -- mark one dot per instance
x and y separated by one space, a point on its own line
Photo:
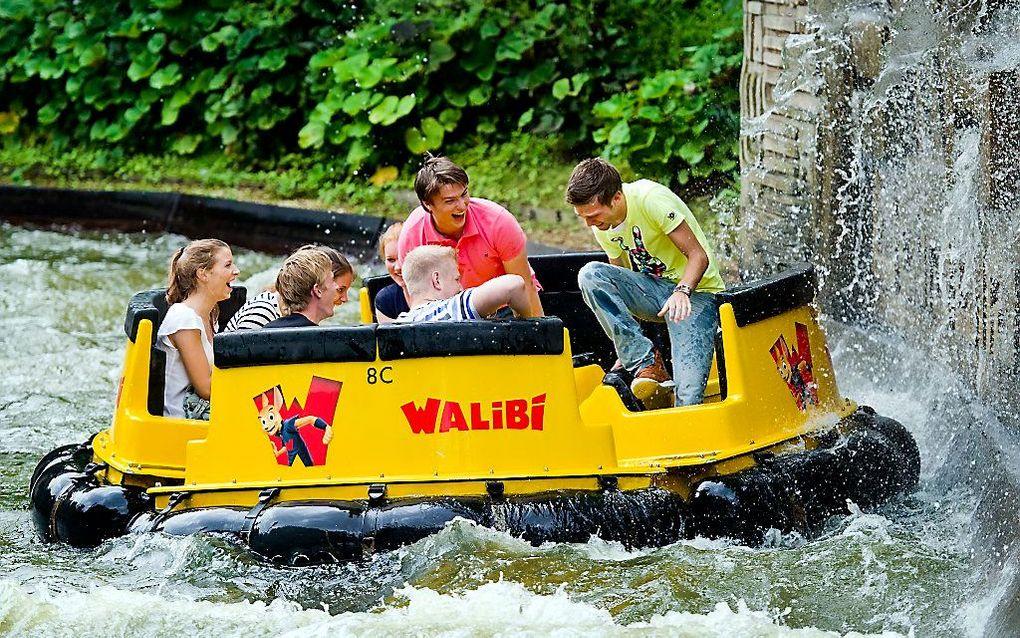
771 296
294 345
558 273
458 338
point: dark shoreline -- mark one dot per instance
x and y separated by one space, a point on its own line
264 227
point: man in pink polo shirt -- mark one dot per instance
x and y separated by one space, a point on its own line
488 239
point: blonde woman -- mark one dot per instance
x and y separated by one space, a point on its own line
392 300
199 278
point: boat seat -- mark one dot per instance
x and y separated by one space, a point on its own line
543 335
151 305
321 344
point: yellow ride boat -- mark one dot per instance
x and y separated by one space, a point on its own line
330 443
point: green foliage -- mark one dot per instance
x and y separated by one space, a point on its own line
526 170
156 76
679 119
358 87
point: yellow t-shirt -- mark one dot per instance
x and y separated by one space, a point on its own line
654 211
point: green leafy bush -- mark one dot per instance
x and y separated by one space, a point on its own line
362 87
680 119
161 75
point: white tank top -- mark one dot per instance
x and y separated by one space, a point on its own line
178 317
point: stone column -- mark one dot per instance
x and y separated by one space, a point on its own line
777 142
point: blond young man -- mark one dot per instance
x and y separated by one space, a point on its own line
433 284
307 289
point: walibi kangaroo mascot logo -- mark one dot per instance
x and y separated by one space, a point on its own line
794 366
299 432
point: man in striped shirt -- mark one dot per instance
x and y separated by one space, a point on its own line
433 283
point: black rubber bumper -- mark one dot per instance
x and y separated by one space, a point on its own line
868 460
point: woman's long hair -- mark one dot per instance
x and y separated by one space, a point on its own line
182 278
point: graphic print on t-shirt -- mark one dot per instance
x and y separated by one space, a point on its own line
641 260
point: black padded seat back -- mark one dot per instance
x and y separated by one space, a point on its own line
320 344
374 285
144 306
152 305
771 296
238 297
562 298
466 338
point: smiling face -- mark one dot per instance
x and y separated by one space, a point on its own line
326 297
270 419
219 276
392 265
343 285
448 208
603 216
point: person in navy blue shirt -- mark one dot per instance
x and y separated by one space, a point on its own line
391 301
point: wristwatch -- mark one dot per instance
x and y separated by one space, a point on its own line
684 288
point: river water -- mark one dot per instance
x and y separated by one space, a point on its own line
911 568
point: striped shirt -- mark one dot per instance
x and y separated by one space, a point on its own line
456 308
255 313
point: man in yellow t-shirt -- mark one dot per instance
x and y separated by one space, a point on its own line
660 269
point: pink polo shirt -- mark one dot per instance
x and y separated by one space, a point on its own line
491 236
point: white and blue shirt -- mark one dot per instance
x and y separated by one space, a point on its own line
456 308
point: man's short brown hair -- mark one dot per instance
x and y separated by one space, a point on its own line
593 179
435 173
298 275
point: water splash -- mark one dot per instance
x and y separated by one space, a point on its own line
493 609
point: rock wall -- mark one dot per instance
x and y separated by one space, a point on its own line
881 141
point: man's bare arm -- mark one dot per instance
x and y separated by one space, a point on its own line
519 266
678 306
502 291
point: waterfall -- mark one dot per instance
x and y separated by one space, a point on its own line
911 189
907 200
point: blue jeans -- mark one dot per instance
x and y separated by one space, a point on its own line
619 297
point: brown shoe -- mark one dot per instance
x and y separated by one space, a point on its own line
650 379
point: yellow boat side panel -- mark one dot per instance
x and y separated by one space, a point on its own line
779 380
442 419
138 442
394 421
